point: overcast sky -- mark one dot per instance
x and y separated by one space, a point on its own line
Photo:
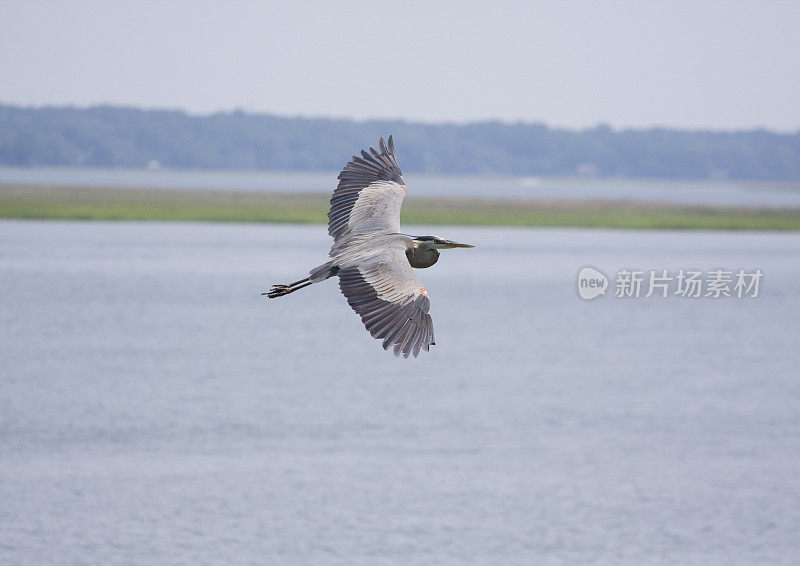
720 65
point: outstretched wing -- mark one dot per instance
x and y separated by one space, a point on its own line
391 301
369 195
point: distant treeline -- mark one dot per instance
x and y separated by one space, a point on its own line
109 136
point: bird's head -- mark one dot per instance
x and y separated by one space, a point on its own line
437 243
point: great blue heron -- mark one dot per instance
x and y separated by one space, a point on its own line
373 259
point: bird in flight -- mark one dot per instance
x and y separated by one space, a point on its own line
373 259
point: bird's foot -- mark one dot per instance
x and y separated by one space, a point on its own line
277 291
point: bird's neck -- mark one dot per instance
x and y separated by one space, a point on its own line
421 254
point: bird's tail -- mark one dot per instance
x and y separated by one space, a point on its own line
317 274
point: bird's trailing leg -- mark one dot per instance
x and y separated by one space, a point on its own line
317 274
281 290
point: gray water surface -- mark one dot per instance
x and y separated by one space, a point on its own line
155 409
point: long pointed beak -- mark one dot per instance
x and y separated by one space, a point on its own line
449 244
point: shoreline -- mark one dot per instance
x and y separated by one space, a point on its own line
93 203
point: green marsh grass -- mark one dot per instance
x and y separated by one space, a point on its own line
84 203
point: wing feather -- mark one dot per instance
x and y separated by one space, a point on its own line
391 301
369 194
